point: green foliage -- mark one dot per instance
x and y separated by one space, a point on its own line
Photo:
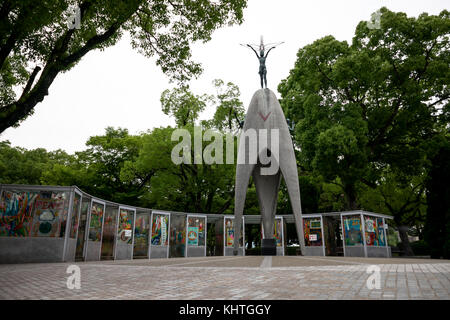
251 201
420 248
392 237
371 117
183 105
97 170
398 195
21 166
136 169
185 187
190 187
229 108
36 43
373 106
332 197
309 194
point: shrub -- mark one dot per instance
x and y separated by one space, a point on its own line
291 251
420 248
253 251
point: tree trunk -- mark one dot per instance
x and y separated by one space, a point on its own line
225 206
350 196
209 202
403 231
12 114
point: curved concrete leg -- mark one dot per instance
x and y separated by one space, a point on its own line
243 172
289 169
267 190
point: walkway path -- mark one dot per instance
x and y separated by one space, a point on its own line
251 277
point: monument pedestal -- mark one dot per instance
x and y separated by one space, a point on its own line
265 113
268 247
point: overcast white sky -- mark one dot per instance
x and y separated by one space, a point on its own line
119 87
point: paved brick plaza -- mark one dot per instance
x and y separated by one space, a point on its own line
231 278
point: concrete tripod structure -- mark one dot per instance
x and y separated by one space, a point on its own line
266 117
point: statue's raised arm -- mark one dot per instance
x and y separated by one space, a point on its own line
269 51
253 50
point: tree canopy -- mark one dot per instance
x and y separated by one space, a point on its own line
36 43
371 114
375 103
372 117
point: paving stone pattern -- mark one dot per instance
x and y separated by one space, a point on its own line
235 278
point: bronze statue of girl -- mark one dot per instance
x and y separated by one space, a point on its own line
262 56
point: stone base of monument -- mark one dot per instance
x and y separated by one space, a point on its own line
268 247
